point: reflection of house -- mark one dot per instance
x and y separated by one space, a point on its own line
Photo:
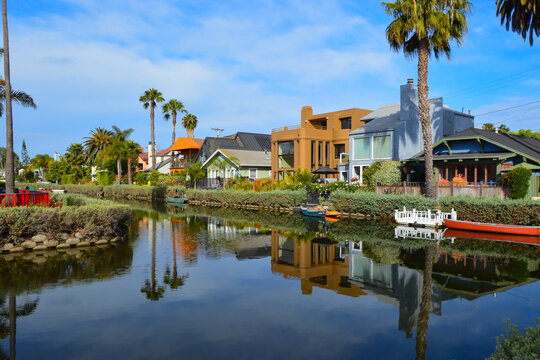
393 132
318 141
481 156
228 163
183 153
238 141
316 263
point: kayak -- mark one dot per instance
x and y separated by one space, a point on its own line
493 228
313 212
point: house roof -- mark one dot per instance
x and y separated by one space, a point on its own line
471 155
244 158
386 117
144 155
523 165
239 141
183 143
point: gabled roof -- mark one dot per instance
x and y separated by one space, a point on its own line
528 147
144 155
386 117
183 143
243 158
239 141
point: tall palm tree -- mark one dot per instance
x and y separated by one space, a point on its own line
98 140
132 151
171 109
116 149
423 28
149 99
189 122
151 289
524 15
430 255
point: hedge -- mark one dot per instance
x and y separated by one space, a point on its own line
517 212
279 198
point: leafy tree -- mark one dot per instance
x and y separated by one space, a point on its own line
57 169
523 15
41 162
25 158
423 28
389 174
75 156
98 140
149 99
116 148
3 158
527 133
171 109
131 151
367 174
518 179
195 173
517 345
189 122
488 127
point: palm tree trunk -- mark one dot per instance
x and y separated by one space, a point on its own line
152 138
10 171
425 118
153 240
12 325
119 168
130 179
173 127
425 305
190 132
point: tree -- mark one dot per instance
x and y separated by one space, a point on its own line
116 148
423 28
171 109
189 122
503 129
151 289
131 151
488 127
195 172
524 15
75 155
3 158
149 99
57 169
98 140
25 158
41 162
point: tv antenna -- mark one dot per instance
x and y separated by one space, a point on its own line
218 131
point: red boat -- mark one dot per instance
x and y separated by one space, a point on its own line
532 240
493 228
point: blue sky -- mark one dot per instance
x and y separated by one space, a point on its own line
241 65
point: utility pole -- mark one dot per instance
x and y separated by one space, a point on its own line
218 131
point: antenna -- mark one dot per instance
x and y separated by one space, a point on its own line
218 131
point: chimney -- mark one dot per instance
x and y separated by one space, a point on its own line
306 113
408 100
410 81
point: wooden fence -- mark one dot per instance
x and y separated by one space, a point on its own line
448 189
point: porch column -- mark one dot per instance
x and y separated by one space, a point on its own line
466 173
485 174
475 174
446 171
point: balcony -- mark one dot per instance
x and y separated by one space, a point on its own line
285 128
180 164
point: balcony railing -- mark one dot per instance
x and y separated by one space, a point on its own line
292 127
180 164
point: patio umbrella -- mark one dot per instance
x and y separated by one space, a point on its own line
325 170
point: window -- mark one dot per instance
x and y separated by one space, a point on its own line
286 155
313 151
358 171
252 173
382 147
361 148
320 152
327 162
346 123
338 149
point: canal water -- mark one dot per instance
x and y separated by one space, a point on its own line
222 284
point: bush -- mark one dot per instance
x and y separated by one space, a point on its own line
518 179
141 178
30 176
517 345
105 178
175 191
517 212
68 179
367 174
153 177
276 198
2 184
389 174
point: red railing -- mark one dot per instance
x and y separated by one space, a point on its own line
25 198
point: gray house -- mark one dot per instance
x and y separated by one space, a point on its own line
393 132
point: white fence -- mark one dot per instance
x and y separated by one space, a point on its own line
426 218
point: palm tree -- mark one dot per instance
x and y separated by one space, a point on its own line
132 151
423 28
171 108
150 98
174 281
116 148
12 312
523 14
98 140
430 255
195 172
153 291
189 122
75 155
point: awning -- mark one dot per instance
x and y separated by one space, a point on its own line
184 143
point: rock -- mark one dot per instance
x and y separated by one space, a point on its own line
78 235
8 246
8 257
28 244
62 246
50 243
101 242
40 247
73 241
116 239
83 243
39 260
39 238
64 236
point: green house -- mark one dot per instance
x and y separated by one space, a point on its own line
229 163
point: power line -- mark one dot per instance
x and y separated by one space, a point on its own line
507 108
515 116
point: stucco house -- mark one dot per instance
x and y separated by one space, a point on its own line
230 163
393 131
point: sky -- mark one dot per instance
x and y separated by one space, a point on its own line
241 66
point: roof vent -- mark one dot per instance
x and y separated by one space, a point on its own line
410 81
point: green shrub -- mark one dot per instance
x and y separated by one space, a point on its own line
279 198
517 345
68 179
141 178
105 178
30 176
517 212
518 179
2 184
153 177
367 174
175 191
389 174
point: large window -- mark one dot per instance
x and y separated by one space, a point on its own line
338 149
320 152
313 152
361 148
346 123
327 151
382 147
286 155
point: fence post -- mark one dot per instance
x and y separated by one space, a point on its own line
451 188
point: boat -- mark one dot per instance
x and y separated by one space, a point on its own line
492 228
332 214
313 212
331 219
480 235
175 200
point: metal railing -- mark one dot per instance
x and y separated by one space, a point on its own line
25 198
284 128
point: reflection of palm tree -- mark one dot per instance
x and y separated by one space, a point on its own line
151 289
12 313
174 282
423 317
